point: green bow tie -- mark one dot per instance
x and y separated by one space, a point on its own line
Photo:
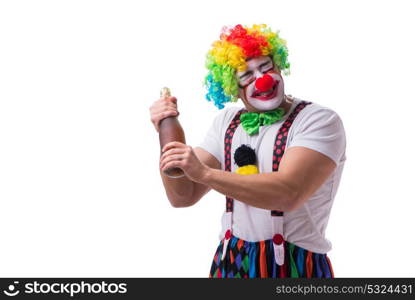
251 121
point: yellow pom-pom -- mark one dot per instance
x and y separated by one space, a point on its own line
247 170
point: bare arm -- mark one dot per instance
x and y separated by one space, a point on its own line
302 171
183 192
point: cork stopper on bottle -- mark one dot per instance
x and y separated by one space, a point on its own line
165 92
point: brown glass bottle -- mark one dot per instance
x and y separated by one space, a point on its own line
170 130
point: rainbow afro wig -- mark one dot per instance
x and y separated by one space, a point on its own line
229 54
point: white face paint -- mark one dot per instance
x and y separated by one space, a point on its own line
256 68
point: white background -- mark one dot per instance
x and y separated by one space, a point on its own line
80 193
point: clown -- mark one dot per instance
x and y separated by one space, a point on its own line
280 190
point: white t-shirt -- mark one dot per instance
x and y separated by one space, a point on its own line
316 127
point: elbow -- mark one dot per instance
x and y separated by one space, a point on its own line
292 201
295 201
181 203
180 200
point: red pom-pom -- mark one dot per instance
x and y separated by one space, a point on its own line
264 83
228 234
278 239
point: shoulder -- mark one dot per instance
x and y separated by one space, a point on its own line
225 116
315 113
317 109
319 128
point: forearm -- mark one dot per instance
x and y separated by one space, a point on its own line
178 190
264 190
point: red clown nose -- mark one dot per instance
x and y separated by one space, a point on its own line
264 83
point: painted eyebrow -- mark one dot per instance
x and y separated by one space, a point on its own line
245 74
260 66
265 63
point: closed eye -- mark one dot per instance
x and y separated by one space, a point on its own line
270 69
267 67
246 75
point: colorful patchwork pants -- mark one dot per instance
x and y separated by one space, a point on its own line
256 260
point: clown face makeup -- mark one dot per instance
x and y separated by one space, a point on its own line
260 85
